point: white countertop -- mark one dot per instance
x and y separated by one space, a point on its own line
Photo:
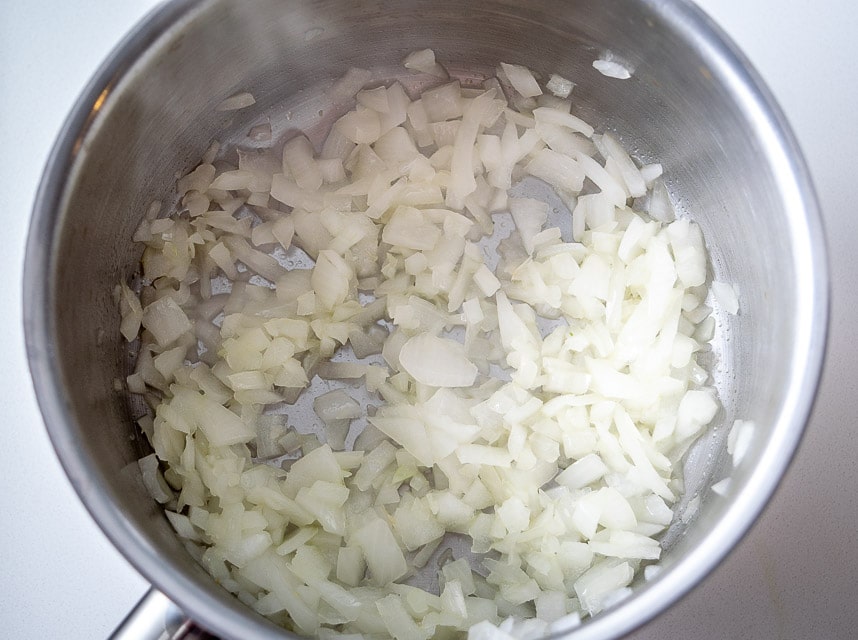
794 576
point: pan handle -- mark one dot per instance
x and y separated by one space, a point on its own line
155 617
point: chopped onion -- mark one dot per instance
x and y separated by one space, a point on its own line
739 440
559 86
726 296
238 101
424 60
153 480
437 362
131 312
298 161
521 79
612 69
166 320
535 397
336 405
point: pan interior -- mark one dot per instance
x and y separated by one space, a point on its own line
160 116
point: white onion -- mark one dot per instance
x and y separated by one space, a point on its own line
153 480
631 174
739 440
522 80
612 69
166 320
529 216
443 103
131 311
361 127
336 405
437 362
298 161
544 115
237 101
559 86
561 172
726 296
553 450
424 60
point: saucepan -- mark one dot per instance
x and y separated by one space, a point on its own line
692 102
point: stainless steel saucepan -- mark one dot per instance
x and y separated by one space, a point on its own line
693 103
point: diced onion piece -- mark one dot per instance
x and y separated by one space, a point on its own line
331 279
131 311
397 620
650 172
690 254
485 630
260 262
350 566
739 440
336 405
197 180
726 296
631 174
437 362
285 190
659 206
238 101
696 410
408 228
529 216
483 455
614 192
443 103
220 425
384 559
486 281
153 480
232 180
522 80
424 60
611 69
561 172
298 161
560 118
559 86
361 127
183 526
462 182
375 99
166 320
582 472
596 584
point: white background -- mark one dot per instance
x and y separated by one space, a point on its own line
794 576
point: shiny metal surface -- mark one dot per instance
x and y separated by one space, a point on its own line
692 103
156 617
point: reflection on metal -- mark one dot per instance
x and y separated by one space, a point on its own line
155 617
93 112
99 101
